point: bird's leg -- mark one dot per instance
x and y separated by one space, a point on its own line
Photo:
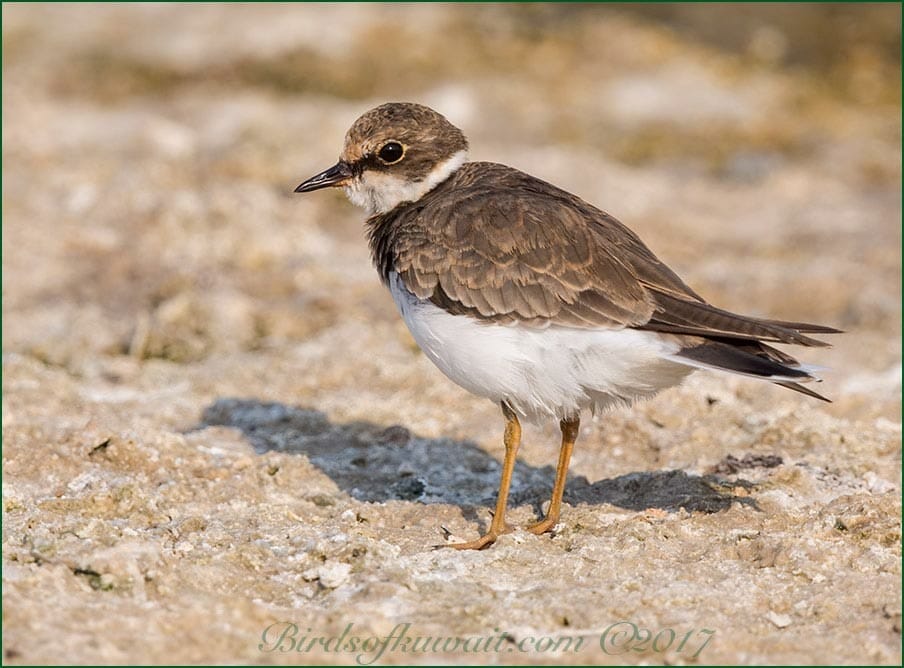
498 526
569 435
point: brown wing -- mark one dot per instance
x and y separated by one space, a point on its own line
499 245
509 247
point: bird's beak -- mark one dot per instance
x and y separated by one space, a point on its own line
335 176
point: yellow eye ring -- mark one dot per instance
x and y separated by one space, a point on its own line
391 152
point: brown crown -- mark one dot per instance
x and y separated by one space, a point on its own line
427 136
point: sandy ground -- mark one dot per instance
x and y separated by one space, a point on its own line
220 444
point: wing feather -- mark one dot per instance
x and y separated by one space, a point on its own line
499 245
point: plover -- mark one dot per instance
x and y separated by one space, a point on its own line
527 295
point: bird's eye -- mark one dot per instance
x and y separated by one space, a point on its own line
391 152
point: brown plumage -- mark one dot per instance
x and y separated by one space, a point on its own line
527 295
498 245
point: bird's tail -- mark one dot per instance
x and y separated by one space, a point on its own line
750 358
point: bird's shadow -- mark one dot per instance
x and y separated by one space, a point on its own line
375 463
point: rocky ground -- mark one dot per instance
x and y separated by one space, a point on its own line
220 444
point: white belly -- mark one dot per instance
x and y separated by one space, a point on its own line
552 372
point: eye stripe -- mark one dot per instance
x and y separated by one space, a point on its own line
369 161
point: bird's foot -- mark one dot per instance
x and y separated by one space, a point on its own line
544 525
484 541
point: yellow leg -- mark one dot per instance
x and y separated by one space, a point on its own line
569 436
498 526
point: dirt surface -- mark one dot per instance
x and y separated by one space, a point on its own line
220 444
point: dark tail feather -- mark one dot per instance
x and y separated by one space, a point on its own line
804 327
797 387
749 358
720 355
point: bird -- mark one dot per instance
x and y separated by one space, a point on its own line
525 294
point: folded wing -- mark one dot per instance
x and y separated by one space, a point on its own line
509 248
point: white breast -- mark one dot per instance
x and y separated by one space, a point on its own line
552 372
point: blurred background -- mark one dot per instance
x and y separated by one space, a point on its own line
156 261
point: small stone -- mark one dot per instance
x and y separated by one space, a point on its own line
779 619
331 575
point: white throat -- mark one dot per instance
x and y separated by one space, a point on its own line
380 192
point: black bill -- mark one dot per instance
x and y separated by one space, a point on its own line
334 176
